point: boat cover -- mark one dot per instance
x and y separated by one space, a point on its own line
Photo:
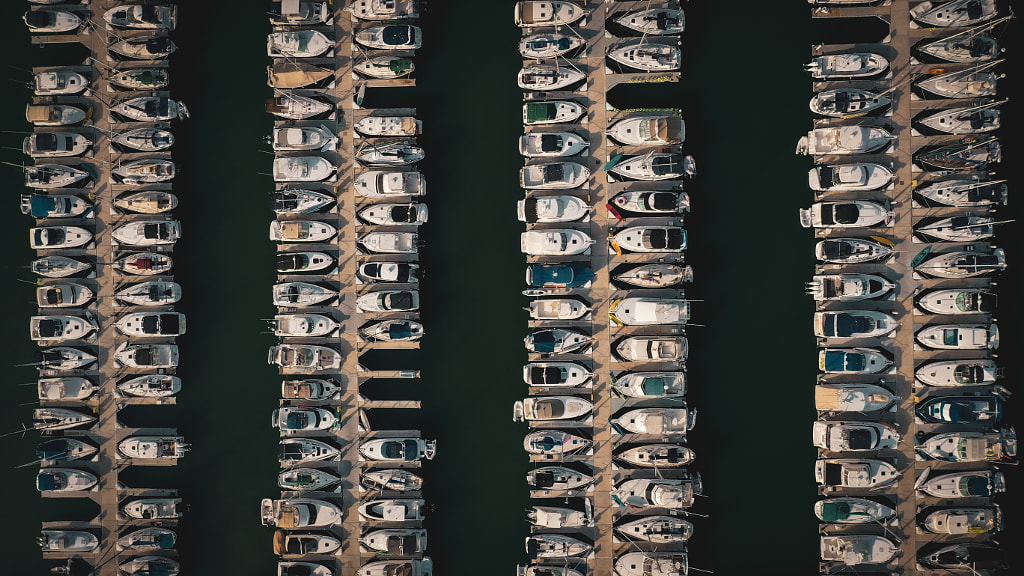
42 206
858 439
654 386
838 512
546 375
548 409
541 112
543 479
544 341
841 361
551 142
844 325
663 200
47 481
400 301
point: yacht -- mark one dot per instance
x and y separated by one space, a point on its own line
63 295
390 154
976 557
551 209
153 293
657 456
651 239
294 138
54 206
303 262
535 408
58 266
304 358
390 37
62 358
60 328
291 419
852 250
551 112
856 177
844 140
388 126
973 82
555 442
657 492
643 311
145 539
55 114
395 541
384 301
150 109
144 139
58 237
421 567
310 389
650 384
385 67
51 21
969 446
140 78
857 549
546 77
554 242
967 193
64 450
299 513
384 10
146 355
148 233
968 228
654 21
557 341
962 521
647 56
651 166
147 202
571 275
545 45
59 419
145 171
964 160
152 324
964 484
147 565
653 203
963 120
292 231
986 410
554 517
556 374
47 176
853 436
298 451
652 564
288 543
55 144
150 386
152 447
852 361
387 214
956 373
847 102
963 264
58 83
297 107
292 201
378 184
64 480
143 17
68 388
390 242
832 399
857 473
393 331
144 48
298 44
300 12
303 325
854 65
655 275
152 508
302 169
959 336
399 449
401 272
954 13
537 13
658 421
656 529
288 74
553 175
392 510
557 309
551 144
971 45
396 480
850 510
654 348
556 546
853 324
303 569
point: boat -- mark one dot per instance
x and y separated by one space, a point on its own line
551 209
856 398
140 78
657 456
55 144
557 479
553 175
64 480
298 44
654 21
850 510
401 153
655 275
658 421
64 450
651 384
292 138
67 388
153 538
302 169
147 355
853 436
954 13
150 109
395 480
390 37
971 45
144 140
956 373
58 83
63 358
857 549
421 567
848 287
403 272
310 389
51 21
644 311
297 107
963 521
966 193
545 77
973 82
300 544
299 513
866 473
571 275
147 202
555 442
987 410
152 508
147 565
969 446
851 250
297 451
303 325
379 184
387 214
853 324
844 140
395 541
655 348
849 177
554 242
963 264
153 447
144 171
556 546
60 328
964 484
651 166
59 419
651 239
847 102
543 45
58 266
53 206
656 529
300 12
152 324
852 361
144 263
304 358
971 154
647 56
968 228
655 202
551 112
959 336
49 176
291 231
55 114
385 9
846 214
400 449
551 144
963 120
288 74
303 262
290 419
390 242
144 48
556 374
385 67
63 295
534 408
148 233
150 386
657 492
977 557
145 17
536 13
557 341
652 564
291 201
853 65
392 510
558 309
388 126
393 331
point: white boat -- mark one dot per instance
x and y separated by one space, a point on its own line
144 17
144 140
555 374
654 21
536 13
390 37
387 214
847 66
853 324
379 184
647 56
853 436
657 456
300 12
657 421
959 336
297 107
384 9
557 478
968 228
147 202
393 479
852 361
151 386
390 242
67 388
55 144
303 569
58 266
64 450
147 355
971 45
849 177
651 239
839 398
299 513
290 419
851 510
551 112
144 171
297 44
310 389
386 67
668 493
388 301
291 201
393 331
544 45
303 325
403 272
303 262
299 544
551 209
844 140
969 446
554 242
144 48
652 564
551 144
954 13
59 419
651 384
867 473
556 517
147 565
68 541
151 109
656 348
297 451
392 510
55 114
304 358
144 263
644 311
148 233
41 205
555 442
964 521
48 176
973 82
51 21
963 120
289 138
153 538
63 295
651 166
63 358
556 546
857 549
58 82
553 175
395 541
153 447
537 408
956 373
557 309
421 567
963 264
388 126
546 77
965 484
648 130
64 480
403 449
965 192
656 529
140 78
851 250
291 231
847 102
557 341
848 287
390 154
302 169
152 508
846 214
655 275
61 328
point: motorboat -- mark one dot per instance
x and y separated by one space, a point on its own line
387 214
854 473
300 12
64 450
378 184
390 154
644 311
61 328
850 510
140 78
852 361
844 140
554 242
303 569
144 539
655 202
145 17
64 480
534 408
553 175
51 21
302 543
855 398
150 386
53 206
304 358
59 419
965 193
657 492
66 388
144 263
55 144
968 228
852 250
555 442
392 479
987 410
847 102
393 331
557 341
293 138
290 419
963 521
963 120
395 541
551 209
58 266
150 109
853 324
310 389
303 325
647 56
384 10
558 309
144 139
658 421
537 13
294 513
556 374
148 233
421 567
544 45
556 546
656 529
152 508
153 447
570 275
303 262
963 264
655 275
964 484
551 112
652 564
388 301
654 348
298 451
55 114
302 169
969 446
401 272
557 479
651 239
63 358
152 324
291 201
146 565
556 517
291 231
853 436
390 242
651 166
551 144
853 65
399 449
959 336
978 557
971 45
144 48
956 373
147 202
954 13
392 510
857 549
144 171
654 21
546 77
146 355
856 177
48 176
970 155
390 37
63 295
385 67
651 384
388 126
285 74
297 107
657 456
298 44
974 82
58 83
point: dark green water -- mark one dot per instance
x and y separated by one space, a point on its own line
755 402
